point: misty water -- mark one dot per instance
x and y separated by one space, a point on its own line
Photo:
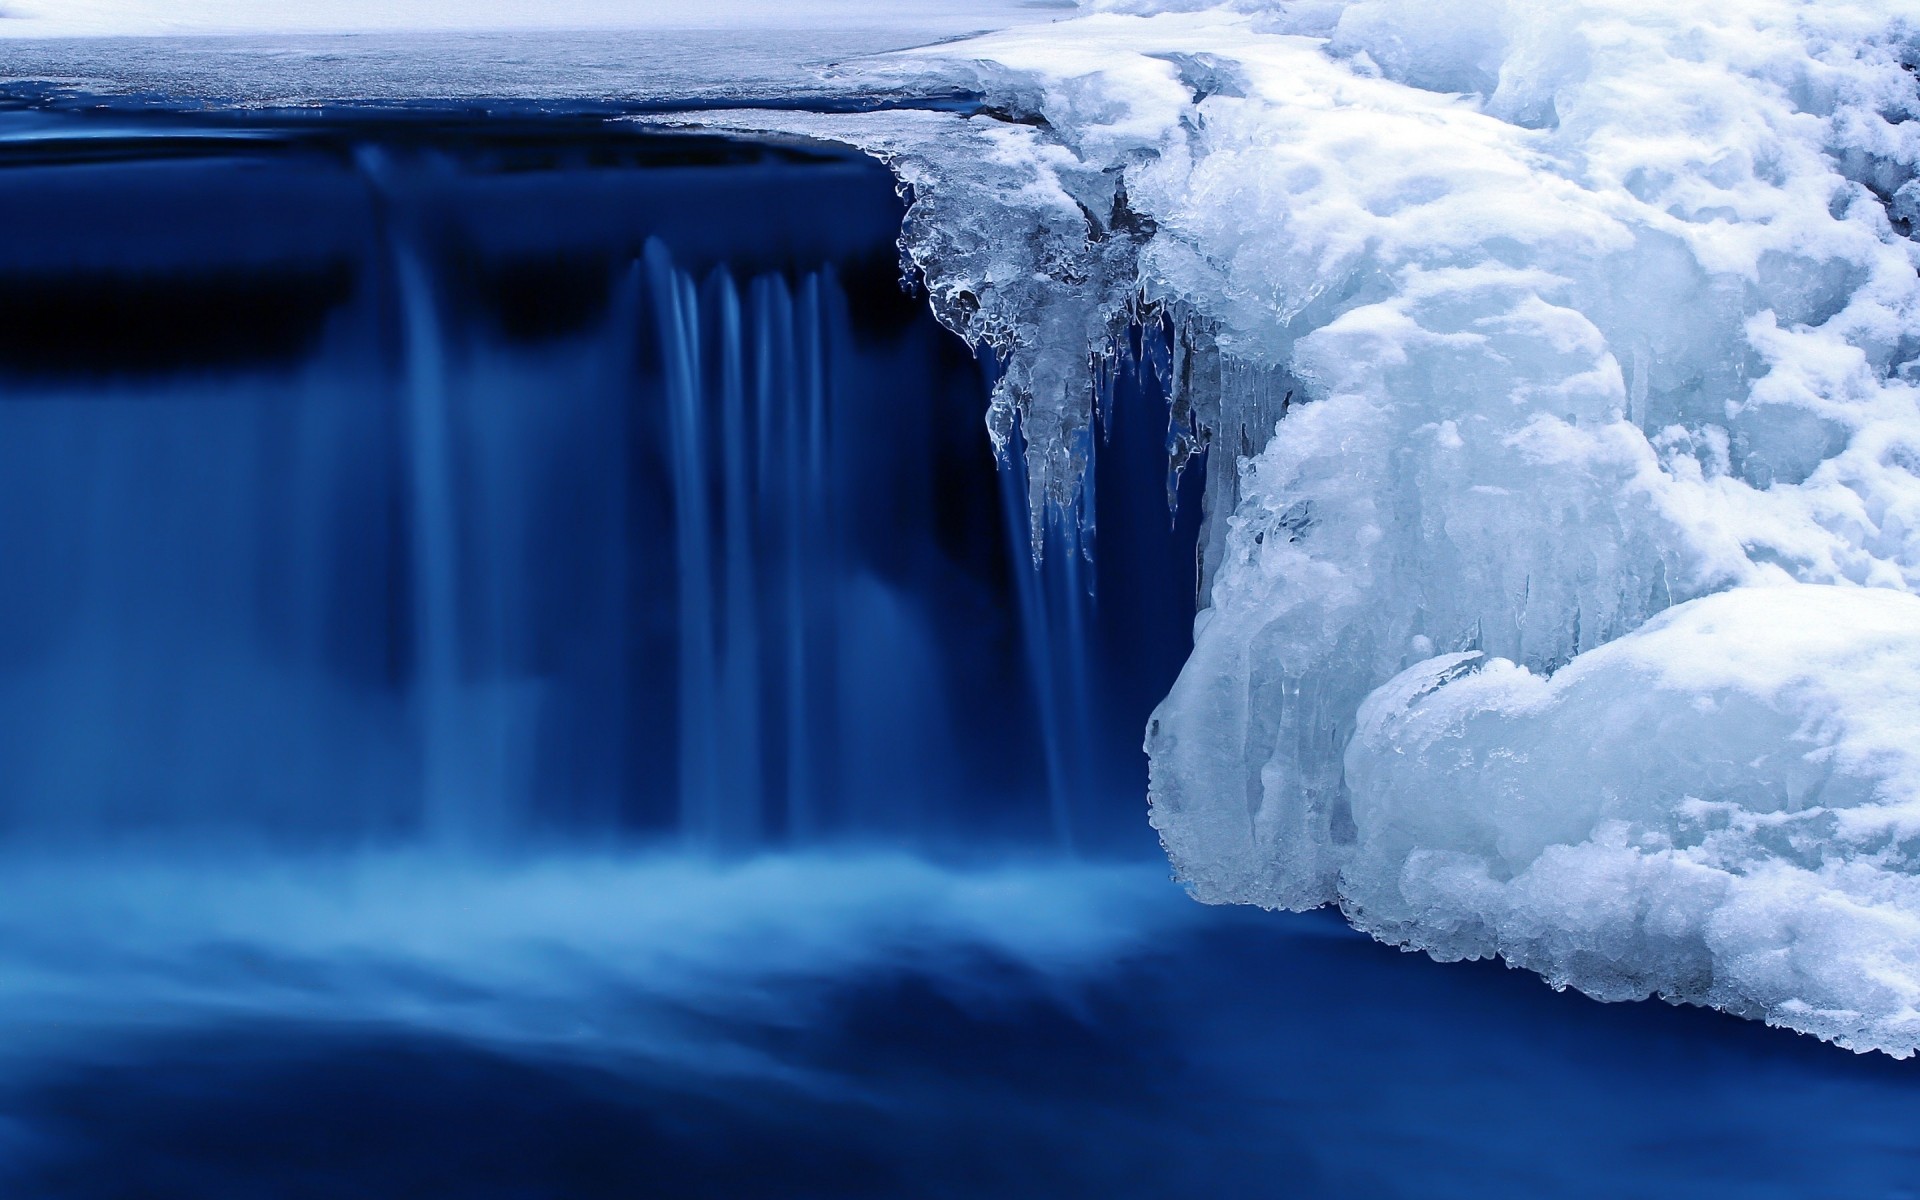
521 675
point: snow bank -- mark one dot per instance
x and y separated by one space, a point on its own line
1633 325
1722 807
1510 326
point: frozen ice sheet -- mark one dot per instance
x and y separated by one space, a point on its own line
308 51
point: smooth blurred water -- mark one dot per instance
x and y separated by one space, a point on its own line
519 677
864 1026
411 476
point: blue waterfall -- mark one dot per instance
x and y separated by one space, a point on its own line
389 482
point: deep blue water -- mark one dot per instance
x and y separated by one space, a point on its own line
519 677
1239 1055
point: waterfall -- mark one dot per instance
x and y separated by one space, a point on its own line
1052 601
448 792
676 301
535 529
761 420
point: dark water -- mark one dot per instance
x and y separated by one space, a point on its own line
1235 1055
519 677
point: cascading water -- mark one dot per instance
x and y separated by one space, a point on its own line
799 676
557 513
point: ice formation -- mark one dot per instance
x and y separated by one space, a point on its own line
1721 806
1559 364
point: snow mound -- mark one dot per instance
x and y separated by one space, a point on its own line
1721 807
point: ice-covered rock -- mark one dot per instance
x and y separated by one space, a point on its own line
1632 327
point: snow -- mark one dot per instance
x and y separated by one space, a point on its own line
303 52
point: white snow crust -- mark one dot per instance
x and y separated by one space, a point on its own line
1559 592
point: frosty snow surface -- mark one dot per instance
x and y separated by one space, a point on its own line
1559 363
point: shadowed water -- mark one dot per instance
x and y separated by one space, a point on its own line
854 1027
